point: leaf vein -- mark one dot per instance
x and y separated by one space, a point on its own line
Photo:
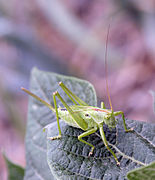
78 174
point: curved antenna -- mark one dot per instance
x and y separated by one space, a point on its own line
106 71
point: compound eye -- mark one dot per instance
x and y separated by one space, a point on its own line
87 115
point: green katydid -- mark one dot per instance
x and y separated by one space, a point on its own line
81 115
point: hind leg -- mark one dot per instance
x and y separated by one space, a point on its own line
123 117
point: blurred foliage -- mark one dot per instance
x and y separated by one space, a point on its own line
68 37
16 172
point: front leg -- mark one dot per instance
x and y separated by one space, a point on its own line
123 117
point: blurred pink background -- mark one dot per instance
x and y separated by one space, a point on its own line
68 37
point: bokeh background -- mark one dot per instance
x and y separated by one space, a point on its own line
68 37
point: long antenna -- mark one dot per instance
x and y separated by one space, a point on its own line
106 70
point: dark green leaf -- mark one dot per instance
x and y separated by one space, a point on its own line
143 173
44 84
15 171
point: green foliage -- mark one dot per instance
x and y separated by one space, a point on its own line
143 173
67 158
15 172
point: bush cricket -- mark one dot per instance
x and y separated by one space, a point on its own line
81 115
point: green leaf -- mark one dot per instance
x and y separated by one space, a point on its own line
15 172
44 84
143 173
